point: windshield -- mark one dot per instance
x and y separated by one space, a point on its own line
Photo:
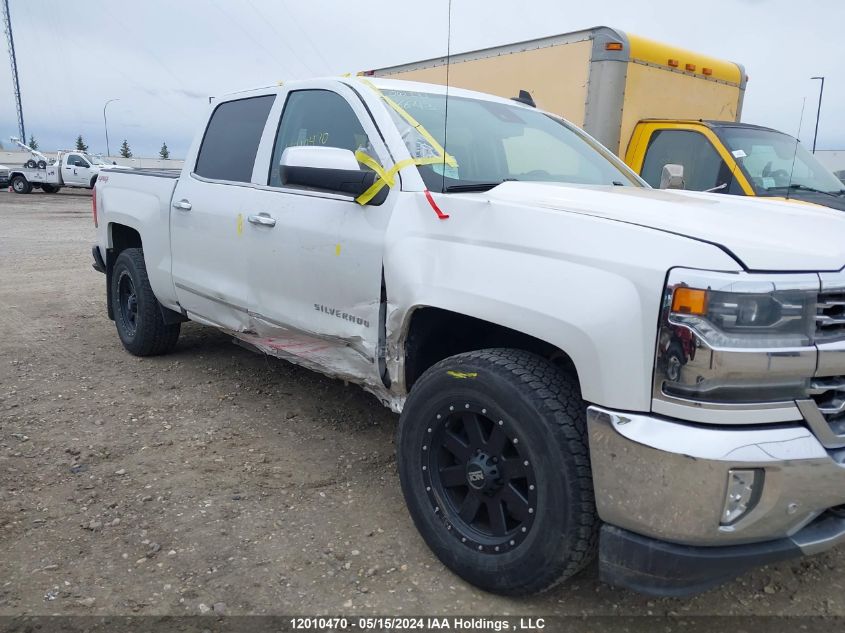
775 162
493 142
93 159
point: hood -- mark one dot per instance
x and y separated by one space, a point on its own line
823 199
763 235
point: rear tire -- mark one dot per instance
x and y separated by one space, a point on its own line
495 469
21 185
49 188
137 312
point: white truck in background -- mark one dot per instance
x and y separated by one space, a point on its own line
584 366
70 168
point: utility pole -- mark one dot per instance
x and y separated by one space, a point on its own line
106 125
10 42
818 112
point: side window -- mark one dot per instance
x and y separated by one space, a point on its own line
703 167
72 160
317 117
231 139
81 162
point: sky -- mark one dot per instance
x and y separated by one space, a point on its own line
163 58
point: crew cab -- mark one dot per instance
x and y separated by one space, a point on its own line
584 366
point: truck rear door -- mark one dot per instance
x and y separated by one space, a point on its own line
208 215
708 166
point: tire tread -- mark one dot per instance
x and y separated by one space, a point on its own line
154 337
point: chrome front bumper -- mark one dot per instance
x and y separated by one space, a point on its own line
667 480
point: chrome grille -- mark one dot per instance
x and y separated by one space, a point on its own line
830 316
829 395
825 413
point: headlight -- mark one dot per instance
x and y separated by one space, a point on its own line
736 337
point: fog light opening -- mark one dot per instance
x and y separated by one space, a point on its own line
743 491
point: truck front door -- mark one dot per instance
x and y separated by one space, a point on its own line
76 170
708 166
315 265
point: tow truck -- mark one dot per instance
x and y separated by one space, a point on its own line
70 168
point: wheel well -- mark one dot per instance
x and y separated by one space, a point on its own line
435 334
93 180
123 237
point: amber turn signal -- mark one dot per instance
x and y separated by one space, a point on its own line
689 301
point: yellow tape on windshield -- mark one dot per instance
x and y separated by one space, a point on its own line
449 159
388 176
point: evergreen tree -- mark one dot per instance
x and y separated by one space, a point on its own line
124 150
80 144
164 153
32 142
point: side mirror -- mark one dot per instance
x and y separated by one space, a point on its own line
672 177
326 169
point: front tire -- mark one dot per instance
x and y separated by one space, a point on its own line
494 465
137 313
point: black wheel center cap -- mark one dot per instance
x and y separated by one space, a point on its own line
483 473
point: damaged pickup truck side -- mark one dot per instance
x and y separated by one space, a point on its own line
584 366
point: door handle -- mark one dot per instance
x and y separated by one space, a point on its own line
182 205
263 219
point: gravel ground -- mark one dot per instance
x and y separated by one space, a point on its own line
215 479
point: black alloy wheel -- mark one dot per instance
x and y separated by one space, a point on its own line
480 477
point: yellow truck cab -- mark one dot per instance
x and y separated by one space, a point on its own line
648 102
735 158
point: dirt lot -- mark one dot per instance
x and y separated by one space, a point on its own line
217 478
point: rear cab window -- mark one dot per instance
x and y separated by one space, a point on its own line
230 143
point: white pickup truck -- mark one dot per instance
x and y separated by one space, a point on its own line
583 365
68 169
